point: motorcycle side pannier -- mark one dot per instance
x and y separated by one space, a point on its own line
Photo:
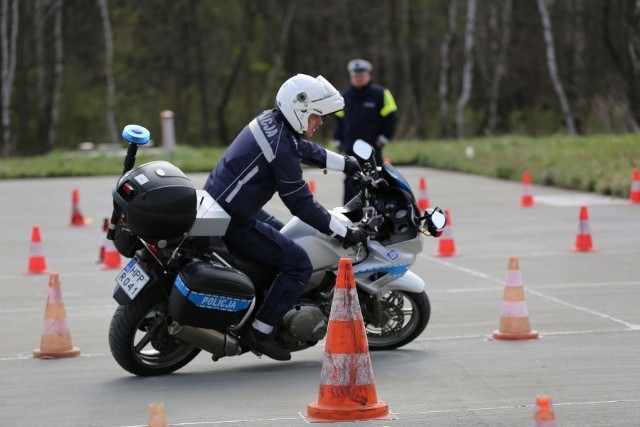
211 296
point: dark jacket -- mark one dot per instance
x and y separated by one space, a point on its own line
266 158
369 112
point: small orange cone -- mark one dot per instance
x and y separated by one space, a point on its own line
423 199
446 244
312 186
514 319
544 415
527 199
77 219
37 262
103 240
347 390
157 415
56 340
584 243
634 196
111 256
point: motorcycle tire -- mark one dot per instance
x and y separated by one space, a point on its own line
404 316
139 340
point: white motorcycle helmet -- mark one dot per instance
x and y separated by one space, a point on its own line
303 95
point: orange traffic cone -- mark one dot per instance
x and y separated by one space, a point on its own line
347 390
77 219
584 243
56 340
111 256
446 244
157 415
312 186
527 199
37 262
544 415
423 200
514 320
634 196
103 240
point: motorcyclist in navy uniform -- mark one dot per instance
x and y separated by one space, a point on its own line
370 114
265 158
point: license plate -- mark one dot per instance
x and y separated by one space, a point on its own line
132 279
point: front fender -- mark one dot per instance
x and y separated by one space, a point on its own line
409 282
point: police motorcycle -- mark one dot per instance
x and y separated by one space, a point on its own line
184 291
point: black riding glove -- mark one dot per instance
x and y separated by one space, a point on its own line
354 236
351 165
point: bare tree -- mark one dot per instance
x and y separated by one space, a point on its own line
467 72
445 66
276 68
410 106
500 52
58 70
8 42
553 67
108 68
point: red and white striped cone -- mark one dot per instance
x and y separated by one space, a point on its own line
584 242
347 390
423 199
634 195
527 199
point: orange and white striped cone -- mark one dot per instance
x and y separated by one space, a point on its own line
544 415
423 199
312 186
56 339
103 240
77 219
37 263
446 244
634 195
584 242
157 415
347 389
527 198
514 317
112 258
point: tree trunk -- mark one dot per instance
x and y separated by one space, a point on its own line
108 68
8 42
58 70
445 66
553 67
467 72
633 47
500 69
411 111
266 100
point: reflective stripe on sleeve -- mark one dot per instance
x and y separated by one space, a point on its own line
261 140
240 183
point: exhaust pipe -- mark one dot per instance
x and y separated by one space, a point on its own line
216 343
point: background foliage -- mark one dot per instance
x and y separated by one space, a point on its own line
217 63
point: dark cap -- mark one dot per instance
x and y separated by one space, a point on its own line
359 66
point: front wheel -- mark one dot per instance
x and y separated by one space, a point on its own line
399 319
139 339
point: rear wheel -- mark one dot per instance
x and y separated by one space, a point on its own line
402 318
139 339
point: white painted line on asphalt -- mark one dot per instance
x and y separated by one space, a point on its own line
400 414
485 276
631 326
566 200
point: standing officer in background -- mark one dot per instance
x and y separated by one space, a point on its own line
370 113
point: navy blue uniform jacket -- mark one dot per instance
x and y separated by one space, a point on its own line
266 158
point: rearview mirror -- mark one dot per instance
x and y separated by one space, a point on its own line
362 149
438 219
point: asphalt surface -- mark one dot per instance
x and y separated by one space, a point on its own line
584 305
